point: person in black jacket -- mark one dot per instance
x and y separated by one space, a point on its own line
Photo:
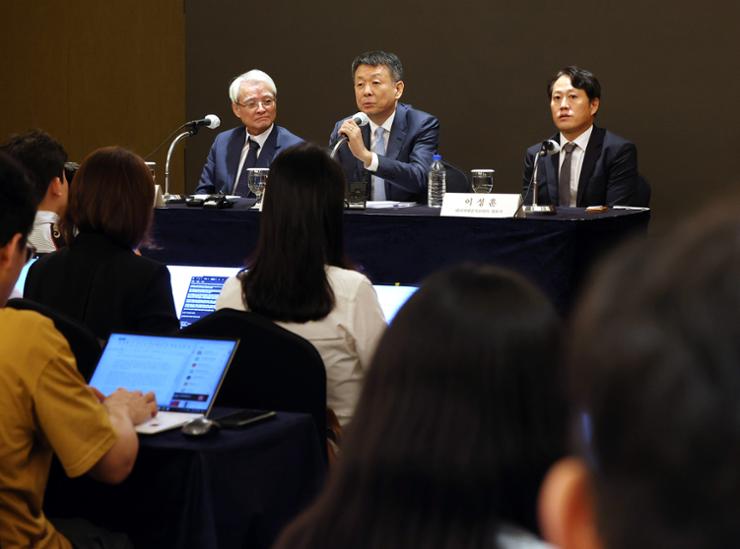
99 279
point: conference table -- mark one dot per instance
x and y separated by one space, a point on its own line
404 245
237 488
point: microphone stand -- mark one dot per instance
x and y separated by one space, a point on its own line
341 140
535 208
175 198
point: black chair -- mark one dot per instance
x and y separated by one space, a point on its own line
85 346
274 369
457 181
643 193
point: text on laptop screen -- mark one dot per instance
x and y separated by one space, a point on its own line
196 288
184 373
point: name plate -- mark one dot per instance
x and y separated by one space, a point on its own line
480 205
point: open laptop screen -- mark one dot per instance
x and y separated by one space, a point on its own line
392 298
184 373
196 288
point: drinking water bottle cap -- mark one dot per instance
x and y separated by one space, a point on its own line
436 157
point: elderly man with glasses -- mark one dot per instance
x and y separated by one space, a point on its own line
254 101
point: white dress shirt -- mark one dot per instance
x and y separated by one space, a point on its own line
260 139
387 125
40 236
576 161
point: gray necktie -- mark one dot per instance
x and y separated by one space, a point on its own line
564 181
379 149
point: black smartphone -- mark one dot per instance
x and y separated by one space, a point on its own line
242 418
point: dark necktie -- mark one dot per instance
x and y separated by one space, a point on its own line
564 181
241 188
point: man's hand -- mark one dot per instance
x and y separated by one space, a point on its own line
354 140
138 406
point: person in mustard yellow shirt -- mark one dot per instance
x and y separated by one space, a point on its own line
47 408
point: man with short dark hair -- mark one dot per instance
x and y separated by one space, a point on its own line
44 159
254 144
595 167
394 151
655 375
47 408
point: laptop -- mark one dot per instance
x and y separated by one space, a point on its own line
195 289
184 373
21 282
392 297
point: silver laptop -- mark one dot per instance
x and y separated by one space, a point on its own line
392 297
184 373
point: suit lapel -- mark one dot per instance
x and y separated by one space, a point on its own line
361 173
268 150
234 152
593 151
398 132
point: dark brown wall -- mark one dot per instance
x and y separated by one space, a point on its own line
669 73
94 73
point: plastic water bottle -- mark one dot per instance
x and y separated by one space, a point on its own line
436 182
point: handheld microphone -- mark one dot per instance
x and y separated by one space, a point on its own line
210 121
549 147
360 119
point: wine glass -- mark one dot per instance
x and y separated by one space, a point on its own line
257 181
482 180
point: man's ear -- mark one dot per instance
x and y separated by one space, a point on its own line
399 89
594 107
56 187
566 507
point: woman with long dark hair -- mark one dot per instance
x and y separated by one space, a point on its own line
461 415
99 280
298 275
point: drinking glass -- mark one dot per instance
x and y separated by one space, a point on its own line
482 180
257 181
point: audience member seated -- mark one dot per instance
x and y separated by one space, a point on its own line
47 408
99 280
655 374
300 278
461 416
44 159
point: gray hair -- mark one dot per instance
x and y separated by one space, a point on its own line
255 75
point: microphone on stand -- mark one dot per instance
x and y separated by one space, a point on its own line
549 147
360 119
210 121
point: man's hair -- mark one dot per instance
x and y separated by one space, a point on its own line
461 414
255 75
655 374
300 234
17 205
113 194
376 58
41 155
581 79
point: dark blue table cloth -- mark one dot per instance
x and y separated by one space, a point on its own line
238 488
407 244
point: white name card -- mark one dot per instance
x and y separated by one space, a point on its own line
480 205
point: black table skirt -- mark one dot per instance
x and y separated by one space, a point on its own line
235 489
405 245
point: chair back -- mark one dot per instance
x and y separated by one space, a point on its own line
457 181
273 369
85 346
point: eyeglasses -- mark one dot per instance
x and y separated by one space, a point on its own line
30 251
253 104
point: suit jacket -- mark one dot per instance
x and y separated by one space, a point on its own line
608 173
412 143
104 286
219 173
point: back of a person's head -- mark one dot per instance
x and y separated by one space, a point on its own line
113 194
300 233
17 204
461 414
41 155
655 372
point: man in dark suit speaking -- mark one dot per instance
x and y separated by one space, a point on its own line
254 101
394 151
595 167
